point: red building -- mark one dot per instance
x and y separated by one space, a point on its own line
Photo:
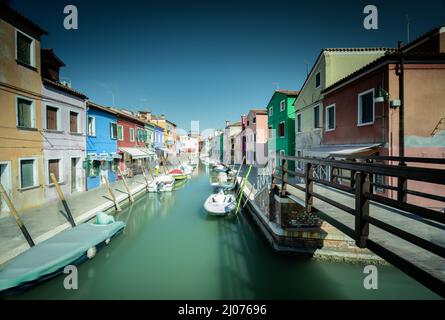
361 111
131 142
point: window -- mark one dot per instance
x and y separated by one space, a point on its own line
113 130
330 118
141 135
299 163
28 173
131 134
54 168
317 80
379 179
91 126
316 116
282 105
282 154
254 137
120 133
248 122
52 118
299 122
74 121
25 49
281 129
254 120
25 113
366 107
270 111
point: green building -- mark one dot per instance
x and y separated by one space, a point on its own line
281 124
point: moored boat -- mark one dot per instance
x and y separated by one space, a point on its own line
220 204
163 183
178 174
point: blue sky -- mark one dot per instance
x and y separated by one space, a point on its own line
210 60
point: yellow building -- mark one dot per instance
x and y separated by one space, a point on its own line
21 142
169 132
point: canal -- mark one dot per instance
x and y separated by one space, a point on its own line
171 249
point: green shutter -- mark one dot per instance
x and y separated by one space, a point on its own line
27 173
119 132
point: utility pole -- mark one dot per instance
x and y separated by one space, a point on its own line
401 182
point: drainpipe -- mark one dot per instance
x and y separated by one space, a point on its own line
401 183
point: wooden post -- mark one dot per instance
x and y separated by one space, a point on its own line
402 186
62 198
352 176
283 177
113 197
309 199
145 177
361 209
126 186
16 216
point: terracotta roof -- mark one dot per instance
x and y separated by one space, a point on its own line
422 37
413 57
17 15
357 49
91 104
124 114
235 124
49 53
292 93
64 88
261 111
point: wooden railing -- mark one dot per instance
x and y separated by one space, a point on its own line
361 172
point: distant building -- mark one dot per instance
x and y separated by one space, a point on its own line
281 125
169 134
101 143
256 135
230 133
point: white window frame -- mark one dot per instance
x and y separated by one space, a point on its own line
270 111
35 173
59 118
318 73
319 118
131 134
282 122
281 153
33 48
94 126
119 125
327 129
49 182
111 130
360 109
282 105
79 129
299 130
33 112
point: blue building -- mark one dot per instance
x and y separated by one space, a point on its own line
159 140
102 158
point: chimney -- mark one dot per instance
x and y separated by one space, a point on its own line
227 123
243 121
399 45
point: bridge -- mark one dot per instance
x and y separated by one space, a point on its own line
393 206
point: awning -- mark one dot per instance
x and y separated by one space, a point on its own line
340 150
135 153
165 150
148 151
115 155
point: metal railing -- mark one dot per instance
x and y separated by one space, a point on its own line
359 173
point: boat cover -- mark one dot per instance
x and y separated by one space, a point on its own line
55 253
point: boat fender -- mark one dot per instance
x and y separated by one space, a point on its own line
107 241
91 252
103 218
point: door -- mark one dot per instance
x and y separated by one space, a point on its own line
74 164
5 179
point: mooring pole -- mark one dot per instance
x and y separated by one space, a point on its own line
242 190
16 216
113 197
62 198
126 186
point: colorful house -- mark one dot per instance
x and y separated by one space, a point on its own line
101 144
230 133
256 135
281 125
63 122
21 152
159 140
330 66
362 111
131 142
169 133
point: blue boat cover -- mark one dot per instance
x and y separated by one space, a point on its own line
55 253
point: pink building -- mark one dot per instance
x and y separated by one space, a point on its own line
255 135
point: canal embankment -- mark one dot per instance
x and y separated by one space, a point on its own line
323 242
44 222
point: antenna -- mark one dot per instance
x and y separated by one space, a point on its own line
407 27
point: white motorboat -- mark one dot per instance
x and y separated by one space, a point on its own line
187 169
220 204
220 168
162 183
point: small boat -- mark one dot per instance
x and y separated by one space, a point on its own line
187 169
162 183
220 204
49 258
178 174
220 168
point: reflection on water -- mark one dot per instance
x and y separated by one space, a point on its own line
171 249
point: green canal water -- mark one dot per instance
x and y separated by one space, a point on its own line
171 249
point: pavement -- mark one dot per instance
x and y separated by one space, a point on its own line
49 219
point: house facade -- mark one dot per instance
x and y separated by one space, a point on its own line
370 126
230 133
169 135
64 138
281 125
159 139
101 144
256 135
330 66
21 152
